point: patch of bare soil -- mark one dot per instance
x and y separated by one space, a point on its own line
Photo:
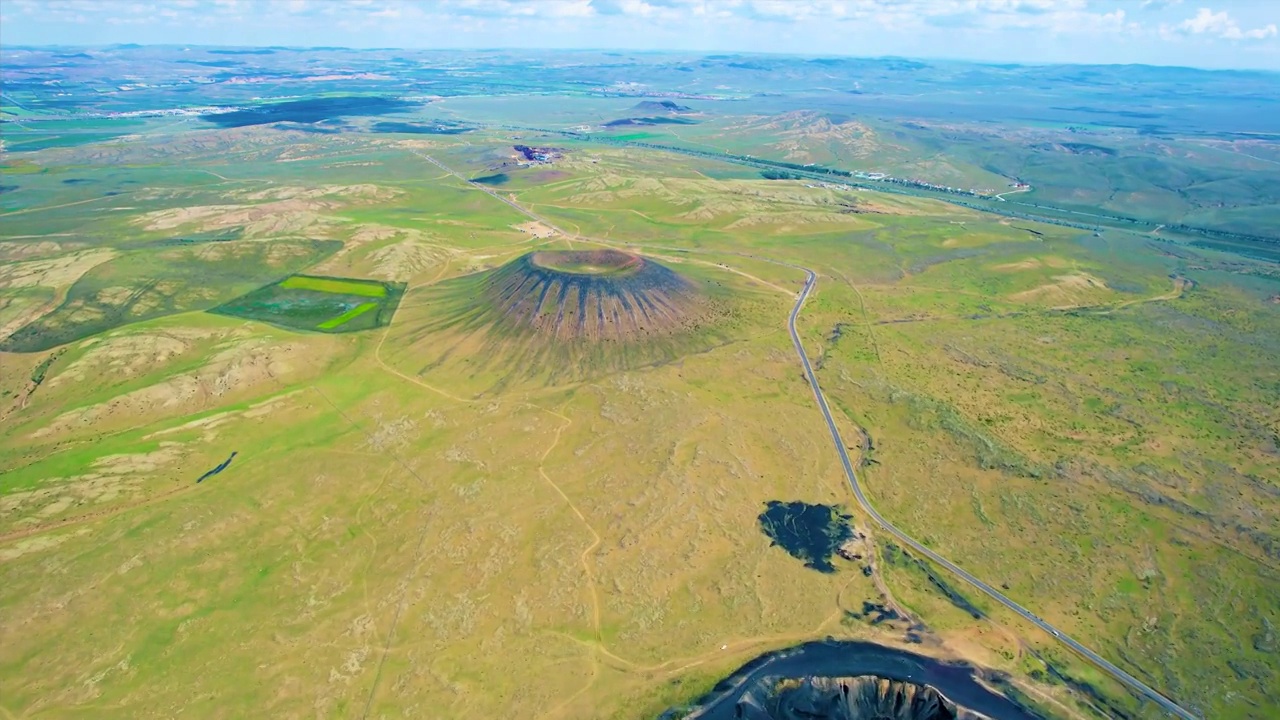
59 273
114 484
536 229
220 145
10 251
1031 264
115 481
362 192
415 144
21 311
126 355
276 211
791 218
209 425
35 544
238 366
56 272
110 478
799 132
257 220
1070 289
403 260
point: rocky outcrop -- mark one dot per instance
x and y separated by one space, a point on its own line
865 697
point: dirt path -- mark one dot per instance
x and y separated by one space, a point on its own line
1000 197
708 263
595 536
377 351
584 559
55 207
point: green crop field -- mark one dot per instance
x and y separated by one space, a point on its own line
347 316
336 286
304 302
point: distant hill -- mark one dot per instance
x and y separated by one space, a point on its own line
663 106
654 120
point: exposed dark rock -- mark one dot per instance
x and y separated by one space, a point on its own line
1265 640
855 680
812 533
864 697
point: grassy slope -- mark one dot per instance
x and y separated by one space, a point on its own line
991 412
587 550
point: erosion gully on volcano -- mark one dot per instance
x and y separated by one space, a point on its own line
604 295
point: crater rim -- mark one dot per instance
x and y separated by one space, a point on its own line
590 263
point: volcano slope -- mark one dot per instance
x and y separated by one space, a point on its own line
563 316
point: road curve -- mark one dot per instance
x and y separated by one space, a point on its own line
1168 705
811 281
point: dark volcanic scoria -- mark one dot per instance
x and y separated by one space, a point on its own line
592 295
849 698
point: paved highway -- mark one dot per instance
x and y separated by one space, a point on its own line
1170 706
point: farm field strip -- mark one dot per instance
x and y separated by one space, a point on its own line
354 312
336 286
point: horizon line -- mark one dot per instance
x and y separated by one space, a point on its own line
657 51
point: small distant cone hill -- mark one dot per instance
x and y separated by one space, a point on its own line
567 314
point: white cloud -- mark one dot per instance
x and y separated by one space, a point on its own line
1222 25
567 8
782 9
1033 30
1029 6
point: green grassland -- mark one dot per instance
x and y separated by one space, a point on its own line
933 297
1198 182
149 283
1123 450
416 528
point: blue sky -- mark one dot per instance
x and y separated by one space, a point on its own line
1203 33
